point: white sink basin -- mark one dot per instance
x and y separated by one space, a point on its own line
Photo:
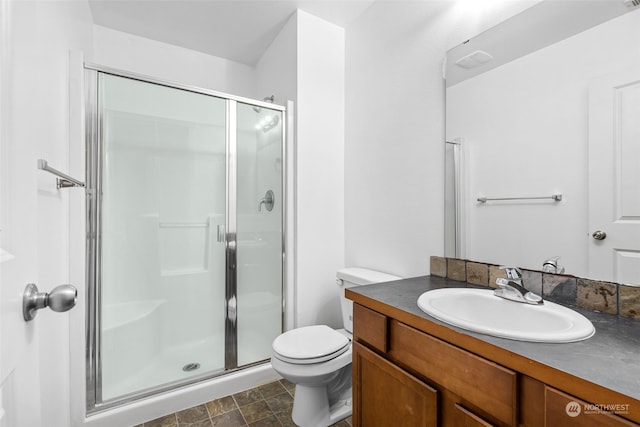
480 311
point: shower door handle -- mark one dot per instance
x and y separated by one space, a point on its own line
221 233
232 309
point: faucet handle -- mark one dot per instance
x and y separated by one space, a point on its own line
512 272
552 266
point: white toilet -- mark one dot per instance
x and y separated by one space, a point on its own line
317 359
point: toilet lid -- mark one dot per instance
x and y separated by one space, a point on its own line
310 342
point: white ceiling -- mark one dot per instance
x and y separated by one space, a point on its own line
239 30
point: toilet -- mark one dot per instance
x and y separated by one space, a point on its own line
317 359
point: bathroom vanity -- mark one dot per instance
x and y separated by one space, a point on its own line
411 369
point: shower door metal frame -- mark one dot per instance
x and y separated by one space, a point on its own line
93 195
231 275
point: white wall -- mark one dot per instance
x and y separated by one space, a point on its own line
276 74
173 63
525 127
320 169
395 127
305 63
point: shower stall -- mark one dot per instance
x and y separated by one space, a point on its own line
185 226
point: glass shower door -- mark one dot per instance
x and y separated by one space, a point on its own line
259 231
163 215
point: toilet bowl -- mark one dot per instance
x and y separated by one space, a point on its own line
317 359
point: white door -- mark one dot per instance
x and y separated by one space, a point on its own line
19 370
614 178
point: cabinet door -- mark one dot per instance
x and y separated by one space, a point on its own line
385 395
565 410
466 418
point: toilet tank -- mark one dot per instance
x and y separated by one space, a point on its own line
355 276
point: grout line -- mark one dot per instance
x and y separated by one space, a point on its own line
208 413
240 410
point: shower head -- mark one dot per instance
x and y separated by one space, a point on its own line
265 99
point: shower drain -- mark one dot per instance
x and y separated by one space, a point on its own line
190 367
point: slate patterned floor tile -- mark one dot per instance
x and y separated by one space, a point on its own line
268 405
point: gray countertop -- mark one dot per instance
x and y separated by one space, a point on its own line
611 358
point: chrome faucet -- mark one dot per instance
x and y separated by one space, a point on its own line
513 289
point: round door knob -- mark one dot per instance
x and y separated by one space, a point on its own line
599 235
61 298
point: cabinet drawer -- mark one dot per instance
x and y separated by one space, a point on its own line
479 382
565 410
370 327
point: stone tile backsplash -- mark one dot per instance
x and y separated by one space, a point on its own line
629 301
457 269
560 288
600 296
438 266
478 273
563 289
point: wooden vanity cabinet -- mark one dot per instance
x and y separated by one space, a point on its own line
394 384
403 376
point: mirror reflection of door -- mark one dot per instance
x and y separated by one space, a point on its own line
526 126
614 174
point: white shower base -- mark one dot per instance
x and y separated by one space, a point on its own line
184 397
136 358
166 367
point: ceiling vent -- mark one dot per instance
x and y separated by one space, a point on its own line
476 59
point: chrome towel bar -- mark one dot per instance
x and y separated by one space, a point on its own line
554 197
64 180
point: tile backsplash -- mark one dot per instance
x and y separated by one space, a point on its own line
606 297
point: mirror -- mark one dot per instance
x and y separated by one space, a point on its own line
542 150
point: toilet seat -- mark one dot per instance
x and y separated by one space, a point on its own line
310 344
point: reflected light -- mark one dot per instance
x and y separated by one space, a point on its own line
479 7
267 123
479 15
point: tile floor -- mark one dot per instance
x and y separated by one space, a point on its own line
266 405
